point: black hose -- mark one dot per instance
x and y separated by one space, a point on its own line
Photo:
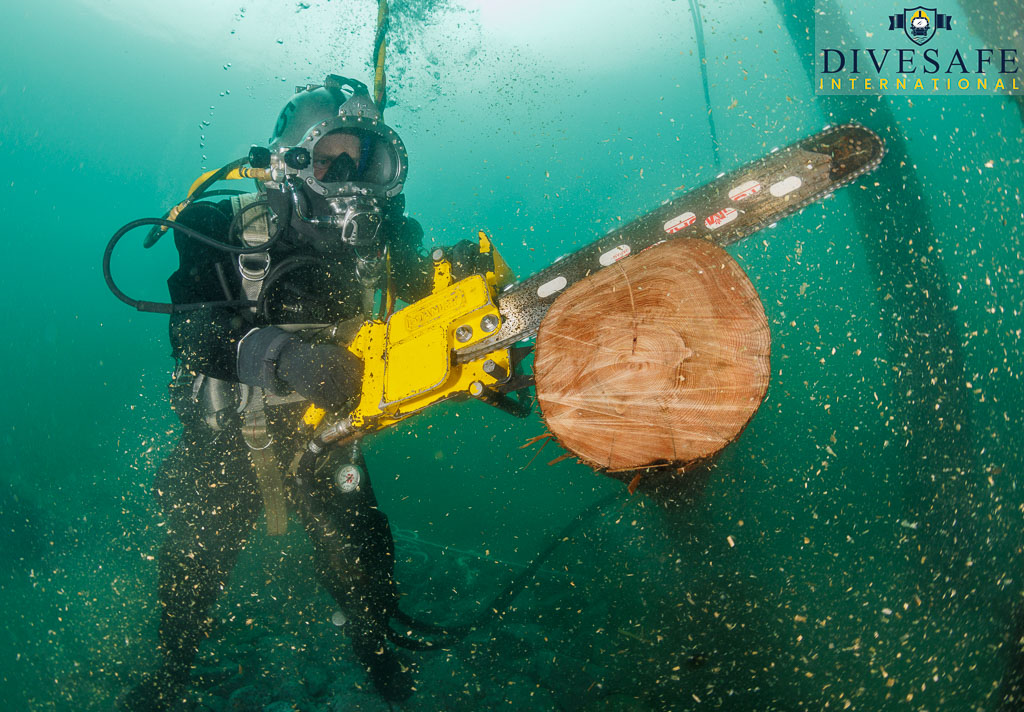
155 233
451 634
166 307
225 191
288 265
236 221
223 279
306 466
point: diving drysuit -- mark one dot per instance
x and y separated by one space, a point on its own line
208 489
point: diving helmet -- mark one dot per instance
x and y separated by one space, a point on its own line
335 165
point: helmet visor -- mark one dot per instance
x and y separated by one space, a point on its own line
354 156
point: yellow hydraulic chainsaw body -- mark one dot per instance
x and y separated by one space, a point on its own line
408 361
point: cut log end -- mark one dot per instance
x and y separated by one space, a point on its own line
661 359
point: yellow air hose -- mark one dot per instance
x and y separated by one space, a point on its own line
379 52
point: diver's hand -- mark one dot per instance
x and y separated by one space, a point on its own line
467 259
326 374
280 362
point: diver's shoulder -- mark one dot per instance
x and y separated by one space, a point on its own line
405 225
206 214
211 219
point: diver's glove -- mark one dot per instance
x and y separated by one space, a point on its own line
280 362
467 259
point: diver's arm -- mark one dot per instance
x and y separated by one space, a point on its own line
206 340
411 270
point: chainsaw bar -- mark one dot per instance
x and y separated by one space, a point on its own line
733 206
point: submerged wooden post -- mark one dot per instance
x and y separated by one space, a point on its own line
660 359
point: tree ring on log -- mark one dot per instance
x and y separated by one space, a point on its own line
660 359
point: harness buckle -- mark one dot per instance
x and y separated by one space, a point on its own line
254 266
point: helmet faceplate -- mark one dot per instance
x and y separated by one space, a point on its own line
336 164
379 169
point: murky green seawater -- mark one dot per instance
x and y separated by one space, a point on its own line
858 548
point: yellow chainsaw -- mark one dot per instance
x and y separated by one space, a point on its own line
458 342
408 358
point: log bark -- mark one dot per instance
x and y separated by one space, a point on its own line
660 359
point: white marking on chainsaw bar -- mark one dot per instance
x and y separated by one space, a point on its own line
745 190
549 288
679 222
614 255
722 217
785 186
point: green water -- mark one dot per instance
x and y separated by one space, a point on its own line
872 502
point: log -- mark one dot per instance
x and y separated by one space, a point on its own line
660 359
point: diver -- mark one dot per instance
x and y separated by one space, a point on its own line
328 234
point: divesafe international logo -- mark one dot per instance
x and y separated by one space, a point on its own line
919 23
865 51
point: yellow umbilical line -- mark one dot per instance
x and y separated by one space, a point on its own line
234 174
379 52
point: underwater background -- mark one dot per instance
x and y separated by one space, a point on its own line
860 546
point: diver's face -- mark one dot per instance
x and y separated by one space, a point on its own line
329 148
